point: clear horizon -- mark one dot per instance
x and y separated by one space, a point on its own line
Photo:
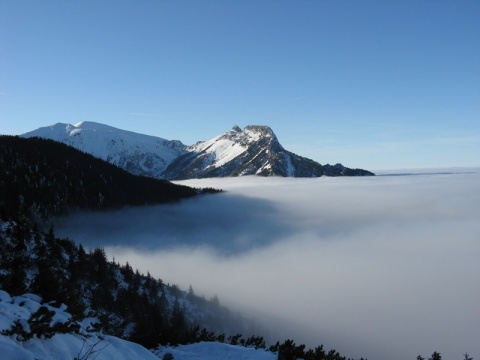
372 85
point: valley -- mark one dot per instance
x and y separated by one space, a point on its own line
325 257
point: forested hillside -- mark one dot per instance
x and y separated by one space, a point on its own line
46 178
128 304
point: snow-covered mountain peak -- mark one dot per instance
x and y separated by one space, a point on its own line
91 125
249 134
230 134
259 130
232 143
236 152
54 132
137 153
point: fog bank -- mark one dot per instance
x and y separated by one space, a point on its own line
382 267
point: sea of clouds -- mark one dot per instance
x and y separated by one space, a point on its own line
384 267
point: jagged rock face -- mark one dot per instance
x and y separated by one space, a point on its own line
255 150
234 153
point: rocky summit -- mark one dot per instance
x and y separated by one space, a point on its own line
255 150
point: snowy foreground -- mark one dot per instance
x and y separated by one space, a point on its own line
215 351
88 344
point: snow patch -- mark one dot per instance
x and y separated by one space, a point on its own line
100 346
60 346
215 351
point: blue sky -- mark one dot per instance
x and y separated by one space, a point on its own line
372 84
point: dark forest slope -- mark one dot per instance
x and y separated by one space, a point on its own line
48 178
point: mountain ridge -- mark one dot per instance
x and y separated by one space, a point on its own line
254 150
137 153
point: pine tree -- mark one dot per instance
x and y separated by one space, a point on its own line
15 283
46 283
178 323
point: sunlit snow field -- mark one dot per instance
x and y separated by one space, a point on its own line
384 267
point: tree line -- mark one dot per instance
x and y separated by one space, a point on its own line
44 178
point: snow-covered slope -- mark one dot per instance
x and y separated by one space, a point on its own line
214 351
34 338
233 153
137 153
21 311
255 150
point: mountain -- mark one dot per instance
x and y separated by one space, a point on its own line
137 153
255 150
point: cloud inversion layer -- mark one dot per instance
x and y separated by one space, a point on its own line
379 267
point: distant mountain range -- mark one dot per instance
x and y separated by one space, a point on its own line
255 150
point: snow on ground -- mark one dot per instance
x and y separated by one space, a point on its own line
93 345
60 346
214 351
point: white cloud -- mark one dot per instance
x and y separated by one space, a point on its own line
379 267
